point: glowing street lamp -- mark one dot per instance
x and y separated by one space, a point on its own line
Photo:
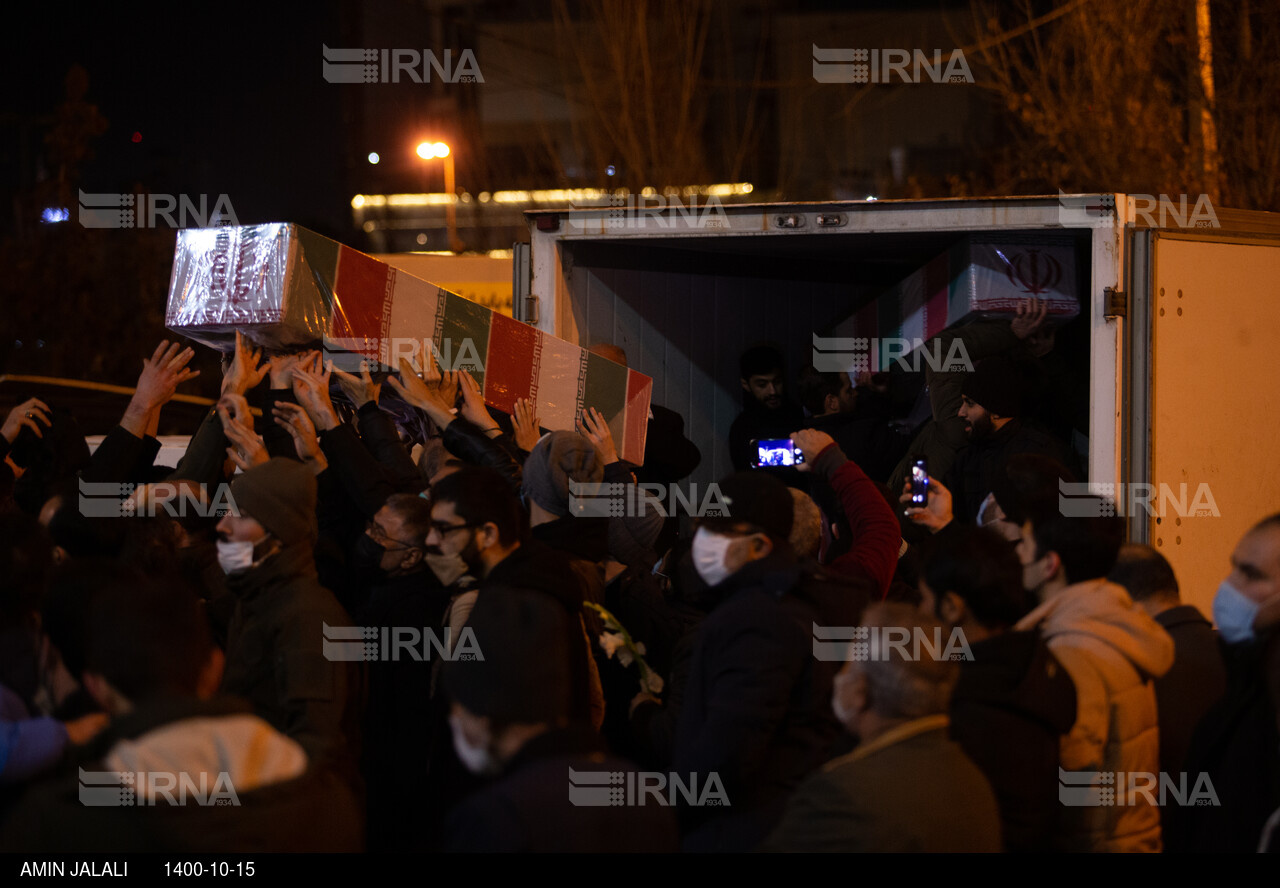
430 151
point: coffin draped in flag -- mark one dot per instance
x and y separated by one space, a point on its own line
287 288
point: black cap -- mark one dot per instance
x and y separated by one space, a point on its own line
755 498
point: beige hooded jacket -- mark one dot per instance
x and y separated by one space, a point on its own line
1112 651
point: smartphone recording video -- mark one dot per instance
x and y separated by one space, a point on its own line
776 452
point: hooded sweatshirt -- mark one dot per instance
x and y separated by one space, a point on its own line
1112 651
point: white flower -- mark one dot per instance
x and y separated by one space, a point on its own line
651 682
609 643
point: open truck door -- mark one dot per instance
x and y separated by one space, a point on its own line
1202 415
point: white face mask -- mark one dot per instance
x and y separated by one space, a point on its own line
708 553
235 556
477 759
447 568
1234 613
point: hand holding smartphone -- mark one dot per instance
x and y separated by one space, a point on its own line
776 452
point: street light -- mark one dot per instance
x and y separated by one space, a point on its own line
430 151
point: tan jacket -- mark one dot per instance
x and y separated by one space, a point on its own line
1112 651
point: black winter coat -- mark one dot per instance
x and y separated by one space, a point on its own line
1010 707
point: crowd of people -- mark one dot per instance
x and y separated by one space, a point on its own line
314 634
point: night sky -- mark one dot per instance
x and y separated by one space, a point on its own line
228 99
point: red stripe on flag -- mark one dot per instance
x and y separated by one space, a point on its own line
361 291
639 392
513 349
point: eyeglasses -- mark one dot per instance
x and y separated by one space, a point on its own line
442 528
374 529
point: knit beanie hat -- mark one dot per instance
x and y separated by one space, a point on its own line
281 495
557 459
632 538
997 385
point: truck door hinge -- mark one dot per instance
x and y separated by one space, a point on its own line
1117 303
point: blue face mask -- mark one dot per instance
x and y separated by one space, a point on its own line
1234 613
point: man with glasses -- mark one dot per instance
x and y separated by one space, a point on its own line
400 592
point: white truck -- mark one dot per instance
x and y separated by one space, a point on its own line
1176 335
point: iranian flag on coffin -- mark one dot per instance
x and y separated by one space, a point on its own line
288 288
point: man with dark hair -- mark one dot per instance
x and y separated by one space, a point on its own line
766 413
400 746
1237 743
906 787
510 719
208 775
1112 651
1198 677
755 708
1013 701
477 516
991 408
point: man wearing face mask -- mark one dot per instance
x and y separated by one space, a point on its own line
906 787
1237 742
1013 701
1113 651
510 720
275 656
756 701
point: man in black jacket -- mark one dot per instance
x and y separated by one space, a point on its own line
991 408
1198 677
1013 701
1237 743
510 718
756 710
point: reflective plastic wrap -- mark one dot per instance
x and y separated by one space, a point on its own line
287 288
255 278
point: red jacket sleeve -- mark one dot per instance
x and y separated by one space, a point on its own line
875 532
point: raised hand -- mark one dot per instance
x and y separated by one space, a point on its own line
247 449
162 373
246 369
473 408
312 391
237 410
936 513
1029 317
592 426
281 368
525 422
360 390
297 423
811 443
29 413
423 394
